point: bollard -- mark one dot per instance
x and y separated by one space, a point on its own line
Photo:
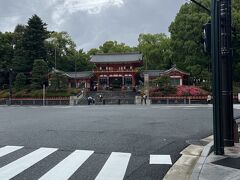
118 101
104 102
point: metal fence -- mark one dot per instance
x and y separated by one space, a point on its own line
37 102
184 100
117 101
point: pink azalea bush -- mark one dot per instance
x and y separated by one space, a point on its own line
190 91
180 91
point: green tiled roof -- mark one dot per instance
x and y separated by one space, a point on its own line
117 58
78 75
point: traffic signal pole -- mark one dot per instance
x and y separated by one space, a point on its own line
226 69
217 100
222 57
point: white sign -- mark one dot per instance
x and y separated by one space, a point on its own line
146 78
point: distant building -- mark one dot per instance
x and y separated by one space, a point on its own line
80 79
119 71
116 71
75 79
177 76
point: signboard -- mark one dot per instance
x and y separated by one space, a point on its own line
146 78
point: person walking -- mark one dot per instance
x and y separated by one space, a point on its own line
209 98
142 98
145 98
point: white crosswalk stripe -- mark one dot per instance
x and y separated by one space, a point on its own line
115 167
160 159
16 167
68 166
9 149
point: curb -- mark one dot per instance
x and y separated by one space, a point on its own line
201 161
187 164
190 164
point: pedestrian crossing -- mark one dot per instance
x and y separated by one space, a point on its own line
114 168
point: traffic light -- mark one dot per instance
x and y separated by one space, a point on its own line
207 37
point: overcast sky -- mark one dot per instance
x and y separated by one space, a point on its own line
92 22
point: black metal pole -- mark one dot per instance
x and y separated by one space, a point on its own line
215 52
10 87
202 6
226 66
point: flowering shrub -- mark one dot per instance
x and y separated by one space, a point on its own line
177 91
190 91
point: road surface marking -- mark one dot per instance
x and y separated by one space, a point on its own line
236 106
8 149
16 167
115 167
65 169
160 159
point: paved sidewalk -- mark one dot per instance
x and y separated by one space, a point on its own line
215 167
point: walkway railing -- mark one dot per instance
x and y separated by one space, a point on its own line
35 101
183 100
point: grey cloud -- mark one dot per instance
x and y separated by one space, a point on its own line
122 23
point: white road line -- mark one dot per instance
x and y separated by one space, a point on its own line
115 167
180 106
8 149
189 108
65 169
16 167
160 159
236 106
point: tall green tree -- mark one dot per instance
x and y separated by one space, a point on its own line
115 47
186 34
39 73
236 39
20 82
33 41
60 49
59 82
157 51
6 56
19 63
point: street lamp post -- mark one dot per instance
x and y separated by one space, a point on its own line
55 57
54 41
10 87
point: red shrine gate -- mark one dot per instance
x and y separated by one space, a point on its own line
116 71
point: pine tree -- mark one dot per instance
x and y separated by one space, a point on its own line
20 81
33 41
39 73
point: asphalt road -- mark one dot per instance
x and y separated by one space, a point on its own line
116 140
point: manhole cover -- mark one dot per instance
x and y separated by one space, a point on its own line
197 142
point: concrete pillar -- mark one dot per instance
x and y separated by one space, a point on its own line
181 82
